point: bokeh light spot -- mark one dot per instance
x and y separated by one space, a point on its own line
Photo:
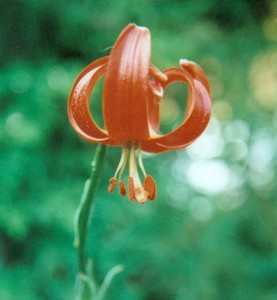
262 76
178 196
211 65
201 209
261 154
217 86
237 130
18 127
231 200
270 28
20 81
169 110
211 141
58 79
223 111
210 176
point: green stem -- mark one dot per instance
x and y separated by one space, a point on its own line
84 210
86 288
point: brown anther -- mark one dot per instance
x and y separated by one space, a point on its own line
113 182
150 187
122 189
131 188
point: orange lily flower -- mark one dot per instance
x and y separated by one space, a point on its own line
133 89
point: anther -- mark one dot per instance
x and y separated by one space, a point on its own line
131 188
113 182
122 189
150 187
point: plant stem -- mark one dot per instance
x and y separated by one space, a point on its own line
84 210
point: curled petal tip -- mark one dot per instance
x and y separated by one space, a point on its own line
133 25
182 60
126 85
156 88
196 72
142 28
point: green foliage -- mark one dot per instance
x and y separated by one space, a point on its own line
211 232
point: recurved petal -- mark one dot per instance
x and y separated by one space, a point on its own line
155 93
156 88
196 72
154 96
78 103
126 85
196 118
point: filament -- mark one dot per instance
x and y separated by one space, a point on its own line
140 160
122 162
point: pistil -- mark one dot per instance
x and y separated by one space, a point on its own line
136 190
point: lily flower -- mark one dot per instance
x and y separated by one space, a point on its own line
132 91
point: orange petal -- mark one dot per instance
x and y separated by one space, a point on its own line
153 110
157 74
155 93
156 88
126 86
196 117
196 72
78 103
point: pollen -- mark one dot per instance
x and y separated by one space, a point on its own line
122 189
150 187
113 182
137 193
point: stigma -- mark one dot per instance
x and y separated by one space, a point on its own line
136 190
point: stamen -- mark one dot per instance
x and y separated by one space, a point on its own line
131 188
150 187
122 189
125 157
122 162
113 182
120 170
140 160
149 182
136 190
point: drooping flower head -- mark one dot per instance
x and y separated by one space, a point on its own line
133 89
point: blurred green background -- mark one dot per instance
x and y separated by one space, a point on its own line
211 232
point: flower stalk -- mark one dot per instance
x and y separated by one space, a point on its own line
86 287
82 216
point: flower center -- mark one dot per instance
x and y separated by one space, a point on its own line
138 192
